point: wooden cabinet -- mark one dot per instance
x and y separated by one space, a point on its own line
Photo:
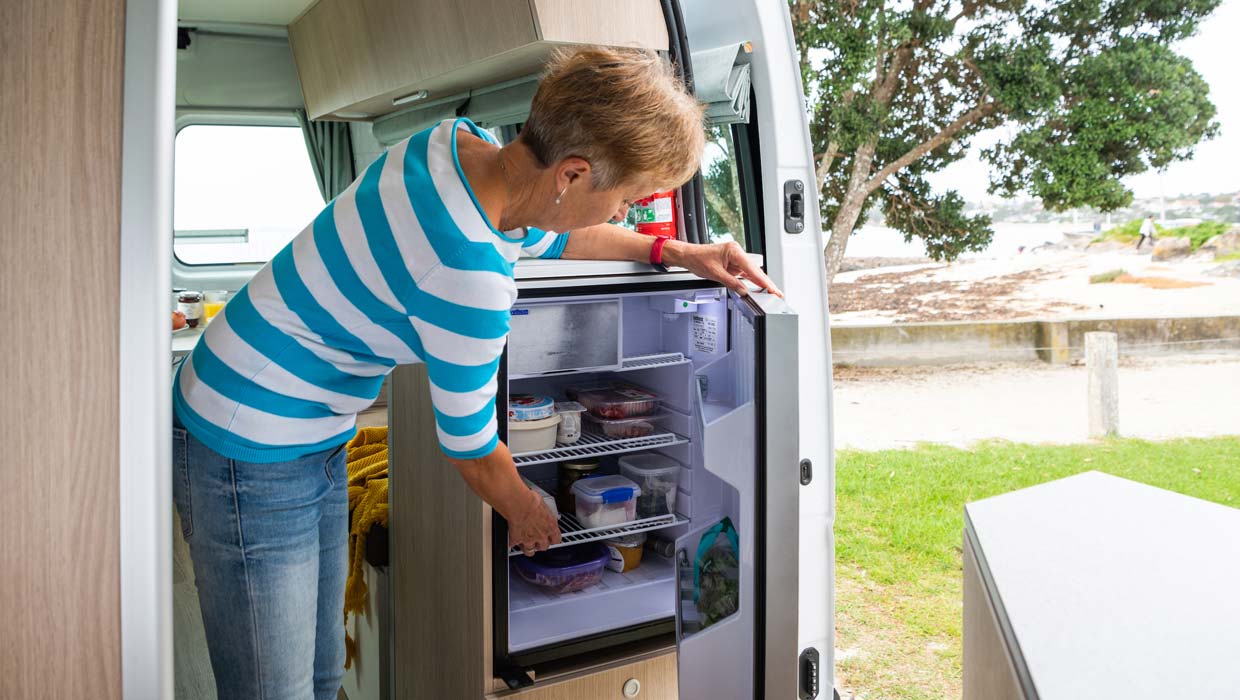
355 57
653 678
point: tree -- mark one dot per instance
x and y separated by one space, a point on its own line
723 201
1089 91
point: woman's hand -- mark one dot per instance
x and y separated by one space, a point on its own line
531 525
722 262
495 479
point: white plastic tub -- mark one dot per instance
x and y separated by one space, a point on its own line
532 435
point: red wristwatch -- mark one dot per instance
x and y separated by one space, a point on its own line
656 253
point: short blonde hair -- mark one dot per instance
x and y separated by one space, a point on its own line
623 110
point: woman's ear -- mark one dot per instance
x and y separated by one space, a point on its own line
572 169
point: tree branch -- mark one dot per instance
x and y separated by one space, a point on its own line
930 144
824 165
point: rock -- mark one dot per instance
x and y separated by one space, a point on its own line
1224 244
1171 248
1227 269
1107 246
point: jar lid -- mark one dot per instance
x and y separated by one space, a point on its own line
530 407
189 295
580 465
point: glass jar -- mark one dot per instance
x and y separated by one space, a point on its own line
190 304
569 473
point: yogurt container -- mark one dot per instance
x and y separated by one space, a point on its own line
523 407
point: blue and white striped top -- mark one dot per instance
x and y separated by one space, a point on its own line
402 267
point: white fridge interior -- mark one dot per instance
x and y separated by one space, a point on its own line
696 349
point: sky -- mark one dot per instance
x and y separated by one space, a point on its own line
1214 167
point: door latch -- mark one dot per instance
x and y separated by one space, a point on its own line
807 472
810 674
794 206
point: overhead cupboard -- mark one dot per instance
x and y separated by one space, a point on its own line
362 59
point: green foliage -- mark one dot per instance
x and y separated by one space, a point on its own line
722 190
1090 91
1228 257
1197 234
1107 277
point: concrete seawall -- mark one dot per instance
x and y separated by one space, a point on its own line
1057 342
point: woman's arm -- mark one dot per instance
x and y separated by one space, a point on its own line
723 262
495 479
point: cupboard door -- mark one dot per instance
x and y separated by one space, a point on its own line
736 571
648 679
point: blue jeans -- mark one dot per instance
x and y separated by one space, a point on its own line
269 544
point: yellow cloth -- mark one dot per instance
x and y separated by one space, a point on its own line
367 462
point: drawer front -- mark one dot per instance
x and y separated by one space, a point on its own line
655 680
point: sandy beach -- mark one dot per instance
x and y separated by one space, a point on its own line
1046 282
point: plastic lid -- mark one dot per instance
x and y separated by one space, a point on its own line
530 407
569 407
649 464
540 424
636 539
609 488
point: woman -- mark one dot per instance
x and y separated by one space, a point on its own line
413 263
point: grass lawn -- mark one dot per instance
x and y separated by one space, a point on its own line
900 515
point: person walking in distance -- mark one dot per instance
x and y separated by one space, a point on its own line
1147 231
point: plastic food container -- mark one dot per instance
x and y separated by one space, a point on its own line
623 427
616 400
605 500
568 473
532 435
658 478
570 422
626 552
525 407
546 497
564 569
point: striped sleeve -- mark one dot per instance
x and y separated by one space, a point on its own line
544 244
461 346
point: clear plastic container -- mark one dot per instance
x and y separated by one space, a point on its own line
616 400
565 569
570 422
605 500
623 427
658 477
532 435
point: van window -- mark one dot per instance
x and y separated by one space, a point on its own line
725 218
241 193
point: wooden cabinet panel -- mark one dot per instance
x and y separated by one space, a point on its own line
355 56
655 676
595 22
61 101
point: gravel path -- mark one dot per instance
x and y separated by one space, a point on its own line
1160 398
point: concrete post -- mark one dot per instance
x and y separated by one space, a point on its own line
1102 362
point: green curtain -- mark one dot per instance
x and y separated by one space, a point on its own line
331 153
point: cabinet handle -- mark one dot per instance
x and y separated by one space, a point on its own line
632 687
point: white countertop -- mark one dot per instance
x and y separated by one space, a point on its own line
1115 589
184 341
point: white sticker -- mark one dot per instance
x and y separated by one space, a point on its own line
705 334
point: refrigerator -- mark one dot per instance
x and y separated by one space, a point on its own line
722 590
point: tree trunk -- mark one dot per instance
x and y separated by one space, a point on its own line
850 209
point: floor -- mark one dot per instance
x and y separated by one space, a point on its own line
192 665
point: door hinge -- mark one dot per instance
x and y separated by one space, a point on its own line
807 472
810 674
794 206
515 678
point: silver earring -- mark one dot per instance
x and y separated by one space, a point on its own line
557 199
